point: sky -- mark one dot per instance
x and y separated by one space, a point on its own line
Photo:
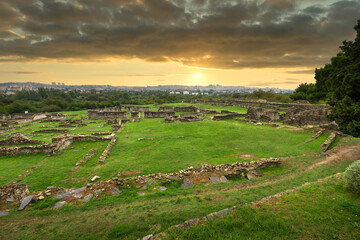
253 43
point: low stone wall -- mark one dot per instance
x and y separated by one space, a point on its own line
228 116
52 130
48 148
142 109
268 115
186 109
298 117
228 170
107 151
18 139
14 192
96 114
329 141
166 109
175 119
208 111
158 114
135 114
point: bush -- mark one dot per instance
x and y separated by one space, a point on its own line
352 177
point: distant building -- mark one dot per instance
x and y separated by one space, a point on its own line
177 93
186 93
172 92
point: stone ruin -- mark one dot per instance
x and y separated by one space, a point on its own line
136 109
313 116
166 109
14 192
99 114
51 130
158 114
186 117
260 114
18 139
208 111
227 116
107 150
135 114
47 148
186 109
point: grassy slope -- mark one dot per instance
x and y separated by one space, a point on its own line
113 217
322 210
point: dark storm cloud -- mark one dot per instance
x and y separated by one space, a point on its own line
203 33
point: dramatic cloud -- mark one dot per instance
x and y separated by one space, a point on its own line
203 33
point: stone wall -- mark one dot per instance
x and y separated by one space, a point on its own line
301 117
18 139
166 109
107 150
47 148
186 109
135 114
228 170
260 114
14 192
208 111
227 116
142 109
52 130
158 114
96 114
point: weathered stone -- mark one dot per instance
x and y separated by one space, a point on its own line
249 176
187 183
95 178
2 214
162 188
25 201
10 200
98 191
223 179
77 195
224 211
79 189
41 197
115 191
58 205
62 195
142 193
88 197
148 237
214 179
256 174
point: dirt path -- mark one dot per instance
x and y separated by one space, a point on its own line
339 154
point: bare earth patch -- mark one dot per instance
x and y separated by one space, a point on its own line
246 155
339 154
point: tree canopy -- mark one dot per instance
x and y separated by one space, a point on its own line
340 82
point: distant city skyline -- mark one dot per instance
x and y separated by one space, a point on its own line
255 43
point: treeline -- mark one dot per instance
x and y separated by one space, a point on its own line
53 100
339 84
268 95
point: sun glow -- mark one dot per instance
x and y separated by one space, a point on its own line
197 78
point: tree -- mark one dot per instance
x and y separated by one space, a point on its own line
341 81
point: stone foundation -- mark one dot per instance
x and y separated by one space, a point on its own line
158 114
228 116
15 192
18 139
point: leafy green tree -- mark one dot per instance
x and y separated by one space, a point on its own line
341 81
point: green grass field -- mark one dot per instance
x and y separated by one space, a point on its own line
170 147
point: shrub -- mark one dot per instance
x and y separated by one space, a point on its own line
352 177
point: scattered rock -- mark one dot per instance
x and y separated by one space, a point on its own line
223 179
79 189
25 201
2 214
88 197
115 191
249 176
215 179
187 183
142 193
62 195
95 178
162 188
58 205
140 139
206 184
77 195
148 237
224 211
10 200
41 197
97 191
257 174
